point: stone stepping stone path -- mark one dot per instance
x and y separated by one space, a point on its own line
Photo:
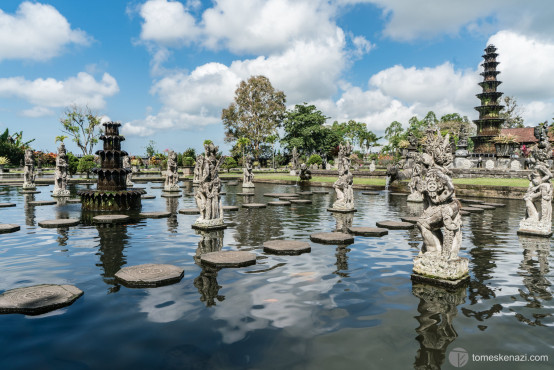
148 196
149 275
287 198
29 191
278 195
471 201
60 222
368 231
305 193
247 194
400 194
339 210
157 187
232 183
224 259
222 193
483 206
370 193
288 247
171 195
300 201
42 203
111 219
464 213
154 214
9 228
230 208
410 219
3 192
74 200
4 205
497 205
279 203
189 211
254 205
332 238
473 209
320 192
395 225
38 299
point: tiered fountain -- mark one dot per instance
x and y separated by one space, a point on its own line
111 193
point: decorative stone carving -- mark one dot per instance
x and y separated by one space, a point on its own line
60 176
417 173
343 186
515 165
198 169
489 164
372 166
247 175
171 175
540 188
29 171
207 195
127 164
305 173
441 222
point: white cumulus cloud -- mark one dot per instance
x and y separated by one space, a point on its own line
167 23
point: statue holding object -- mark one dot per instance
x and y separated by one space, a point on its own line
247 175
343 186
171 174
60 176
29 171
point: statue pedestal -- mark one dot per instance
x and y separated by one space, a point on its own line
172 188
207 225
61 193
535 228
415 197
248 185
433 268
342 210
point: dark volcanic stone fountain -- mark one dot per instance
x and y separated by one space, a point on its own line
111 193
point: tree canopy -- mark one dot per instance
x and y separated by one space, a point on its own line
80 123
511 113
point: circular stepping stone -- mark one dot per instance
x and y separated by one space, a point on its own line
222 193
246 194
171 195
287 198
370 193
300 201
410 219
277 195
400 194
279 203
4 205
483 206
149 275
497 205
157 187
473 209
74 200
9 228
368 231
111 219
38 299
230 208
228 259
232 183
305 193
60 222
464 213
320 192
189 211
154 214
29 191
395 225
288 247
471 201
254 205
3 192
148 196
42 202
332 238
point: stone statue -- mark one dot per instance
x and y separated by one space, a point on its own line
127 164
441 222
207 195
29 171
305 173
198 169
60 176
247 175
343 186
540 188
417 173
171 174
294 161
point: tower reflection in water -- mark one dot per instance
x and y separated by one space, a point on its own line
437 309
113 241
206 282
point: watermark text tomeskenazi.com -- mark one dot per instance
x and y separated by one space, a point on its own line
459 357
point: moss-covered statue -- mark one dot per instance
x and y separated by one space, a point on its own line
343 186
60 175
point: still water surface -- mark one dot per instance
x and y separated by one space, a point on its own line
348 307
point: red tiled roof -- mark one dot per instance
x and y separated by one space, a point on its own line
524 134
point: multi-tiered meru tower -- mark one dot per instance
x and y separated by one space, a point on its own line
489 122
111 193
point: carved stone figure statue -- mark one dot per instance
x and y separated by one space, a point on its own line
198 169
29 171
540 188
60 176
207 195
441 222
417 173
127 164
247 175
171 174
305 173
343 186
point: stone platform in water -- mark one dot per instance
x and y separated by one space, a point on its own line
254 205
483 206
74 200
154 214
111 219
157 187
288 247
448 284
149 275
370 193
279 203
497 205
300 201
342 210
305 193
332 238
473 209
9 228
246 194
189 211
42 203
368 231
4 205
38 299
29 191
471 201
395 225
208 226
278 195
171 195
320 192
538 233
230 208
287 198
410 219
232 183
225 259
60 222
147 196
400 194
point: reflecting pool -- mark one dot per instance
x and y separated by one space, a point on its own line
347 307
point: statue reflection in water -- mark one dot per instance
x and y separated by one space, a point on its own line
113 241
206 282
172 205
29 210
437 309
534 270
343 222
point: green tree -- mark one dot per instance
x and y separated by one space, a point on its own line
369 140
256 113
86 164
352 131
81 124
189 152
151 149
272 139
394 134
228 163
72 164
242 143
511 113
454 124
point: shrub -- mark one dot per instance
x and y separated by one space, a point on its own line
315 159
4 161
86 164
189 152
11 151
229 163
188 161
72 163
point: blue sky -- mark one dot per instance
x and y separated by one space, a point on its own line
165 69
